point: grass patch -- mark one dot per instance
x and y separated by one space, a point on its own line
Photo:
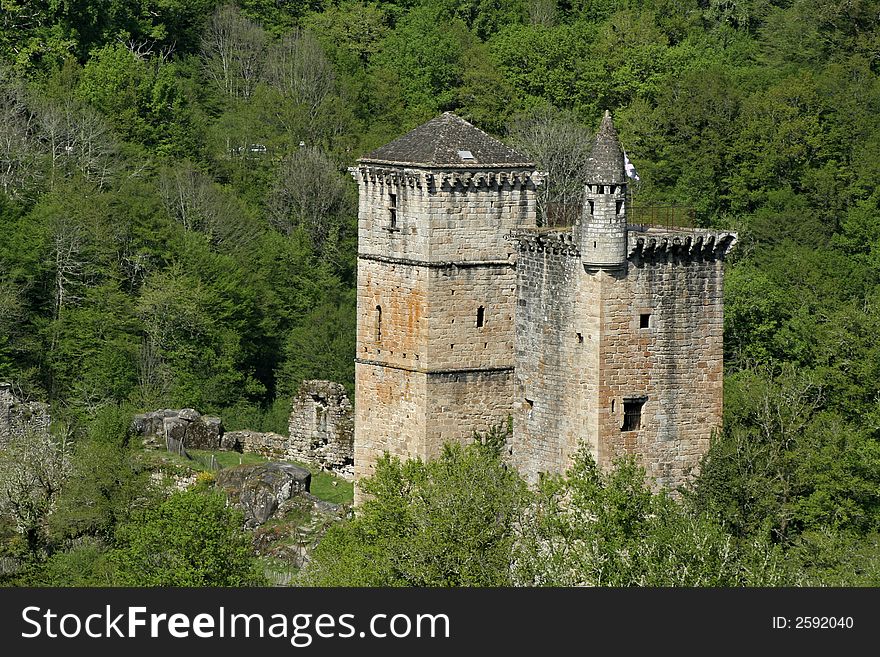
331 488
229 459
169 461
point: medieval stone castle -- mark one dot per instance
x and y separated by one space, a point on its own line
603 333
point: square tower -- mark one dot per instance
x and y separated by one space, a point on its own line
436 287
619 335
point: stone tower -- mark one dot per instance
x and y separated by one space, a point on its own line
436 288
618 335
603 219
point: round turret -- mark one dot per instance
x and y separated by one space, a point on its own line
603 220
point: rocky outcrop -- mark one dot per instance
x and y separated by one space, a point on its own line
261 490
17 417
187 426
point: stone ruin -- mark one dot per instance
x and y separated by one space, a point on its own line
322 427
17 417
186 427
321 431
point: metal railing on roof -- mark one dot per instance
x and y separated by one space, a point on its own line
669 217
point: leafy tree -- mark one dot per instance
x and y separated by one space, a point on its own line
608 529
33 468
445 522
106 482
191 539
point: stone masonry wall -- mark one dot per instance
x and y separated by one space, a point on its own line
17 417
590 340
401 291
460 403
557 347
675 363
438 365
455 297
442 216
390 405
322 427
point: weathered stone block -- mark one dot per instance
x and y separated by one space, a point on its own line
260 489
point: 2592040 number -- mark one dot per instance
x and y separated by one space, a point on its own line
823 622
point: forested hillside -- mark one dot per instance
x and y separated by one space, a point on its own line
178 226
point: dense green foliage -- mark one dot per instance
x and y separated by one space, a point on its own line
178 230
191 539
447 522
465 519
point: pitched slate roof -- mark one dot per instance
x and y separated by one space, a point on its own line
606 163
447 141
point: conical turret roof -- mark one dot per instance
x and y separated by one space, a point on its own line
606 163
447 141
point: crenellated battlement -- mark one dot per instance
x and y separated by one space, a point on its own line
537 240
446 180
697 244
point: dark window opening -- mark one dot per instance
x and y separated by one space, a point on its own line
580 338
481 316
528 406
619 206
612 405
592 207
632 414
645 320
594 245
612 189
600 189
392 210
378 323
522 303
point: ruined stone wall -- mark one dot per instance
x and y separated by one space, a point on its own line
187 426
17 417
675 363
265 443
557 347
322 427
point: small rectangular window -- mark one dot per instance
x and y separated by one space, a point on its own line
618 207
645 320
392 211
632 414
481 316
